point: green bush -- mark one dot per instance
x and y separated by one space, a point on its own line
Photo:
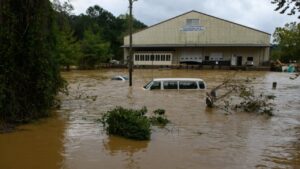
128 123
159 118
159 112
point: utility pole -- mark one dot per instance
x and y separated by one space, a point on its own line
130 58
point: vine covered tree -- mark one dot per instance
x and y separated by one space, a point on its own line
293 6
288 42
29 73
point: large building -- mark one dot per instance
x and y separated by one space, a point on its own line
198 38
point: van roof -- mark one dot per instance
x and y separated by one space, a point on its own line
177 79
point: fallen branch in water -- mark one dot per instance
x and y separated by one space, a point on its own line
295 76
238 94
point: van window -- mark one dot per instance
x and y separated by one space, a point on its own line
201 85
155 85
170 85
187 85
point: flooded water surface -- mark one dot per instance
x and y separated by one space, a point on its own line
197 137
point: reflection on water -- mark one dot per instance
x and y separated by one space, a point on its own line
33 146
127 148
198 137
115 145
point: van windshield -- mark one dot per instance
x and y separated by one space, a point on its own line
155 85
148 85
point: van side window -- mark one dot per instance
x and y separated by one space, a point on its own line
201 85
170 85
155 85
188 85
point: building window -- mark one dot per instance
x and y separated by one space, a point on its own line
157 57
192 22
168 58
142 58
249 58
207 58
137 57
147 58
152 56
163 58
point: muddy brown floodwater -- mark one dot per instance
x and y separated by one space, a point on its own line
196 138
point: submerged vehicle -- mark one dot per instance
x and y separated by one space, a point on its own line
121 78
176 83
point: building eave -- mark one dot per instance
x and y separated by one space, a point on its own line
194 45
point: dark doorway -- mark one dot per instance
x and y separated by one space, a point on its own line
239 61
206 58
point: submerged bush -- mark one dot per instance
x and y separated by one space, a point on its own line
159 112
159 118
132 124
127 123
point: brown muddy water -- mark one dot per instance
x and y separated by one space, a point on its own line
196 138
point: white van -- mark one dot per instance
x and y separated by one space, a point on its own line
176 83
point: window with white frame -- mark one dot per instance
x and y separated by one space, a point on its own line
157 57
142 57
153 57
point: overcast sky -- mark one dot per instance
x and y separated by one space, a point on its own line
257 14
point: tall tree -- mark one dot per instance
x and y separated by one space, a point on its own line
69 50
29 73
111 28
288 40
68 46
293 6
95 50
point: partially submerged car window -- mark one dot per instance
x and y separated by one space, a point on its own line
201 85
125 77
188 85
155 85
170 85
116 78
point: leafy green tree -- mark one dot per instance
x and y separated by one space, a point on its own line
293 6
95 50
288 40
69 50
110 27
68 46
29 73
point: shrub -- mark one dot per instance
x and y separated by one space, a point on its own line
159 112
128 123
159 118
